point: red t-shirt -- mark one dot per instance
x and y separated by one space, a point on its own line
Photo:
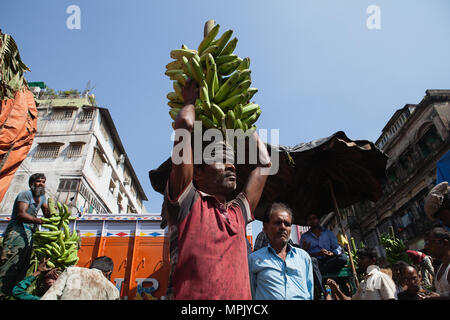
208 249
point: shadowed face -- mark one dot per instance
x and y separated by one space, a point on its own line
411 279
216 179
364 262
435 246
313 221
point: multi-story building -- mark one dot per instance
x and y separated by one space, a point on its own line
415 138
79 150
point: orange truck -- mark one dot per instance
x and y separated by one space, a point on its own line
137 245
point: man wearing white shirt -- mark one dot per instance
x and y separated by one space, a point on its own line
376 285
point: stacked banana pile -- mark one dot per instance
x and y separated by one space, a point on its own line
56 243
395 249
223 79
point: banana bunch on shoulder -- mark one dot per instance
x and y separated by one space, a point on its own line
56 242
223 79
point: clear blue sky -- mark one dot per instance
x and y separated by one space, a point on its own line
317 66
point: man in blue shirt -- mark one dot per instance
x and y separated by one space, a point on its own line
280 271
18 238
324 249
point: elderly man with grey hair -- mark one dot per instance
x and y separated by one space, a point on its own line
437 204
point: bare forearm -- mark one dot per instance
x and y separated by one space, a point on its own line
182 172
28 218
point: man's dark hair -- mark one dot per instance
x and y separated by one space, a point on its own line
102 263
275 207
311 214
440 233
403 268
34 177
368 252
399 265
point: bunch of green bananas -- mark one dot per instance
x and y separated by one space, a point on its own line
223 79
395 249
56 243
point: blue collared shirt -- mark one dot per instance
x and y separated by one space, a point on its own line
326 240
273 278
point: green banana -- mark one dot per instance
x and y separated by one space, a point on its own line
232 101
178 53
206 42
174 112
224 59
229 67
251 92
177 87
245 64
181 78
229 48
217 112
196 71
222 41
210 50
208 123
175 104
249 109
50 227
187 68
230 119
172 96
244 75
238 111
226 88
238 124
252 119
241 87
174 65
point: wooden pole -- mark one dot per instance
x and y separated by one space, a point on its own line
338 215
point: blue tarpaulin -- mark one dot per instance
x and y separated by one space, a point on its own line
443 168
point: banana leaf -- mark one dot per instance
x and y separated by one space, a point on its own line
11 68
356 169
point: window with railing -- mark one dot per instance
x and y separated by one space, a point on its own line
47 150
61 115
87 115
68 184
75 150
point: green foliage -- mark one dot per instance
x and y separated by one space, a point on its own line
12 68
395 249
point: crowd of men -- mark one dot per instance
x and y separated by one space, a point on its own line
210 256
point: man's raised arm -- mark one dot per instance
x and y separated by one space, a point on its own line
257 179
182 173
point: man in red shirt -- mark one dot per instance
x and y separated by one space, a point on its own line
208 250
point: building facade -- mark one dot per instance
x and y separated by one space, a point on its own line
415 138
79 150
